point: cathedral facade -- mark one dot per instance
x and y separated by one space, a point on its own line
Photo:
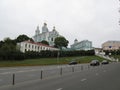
46 35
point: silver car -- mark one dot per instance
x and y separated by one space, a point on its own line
94 63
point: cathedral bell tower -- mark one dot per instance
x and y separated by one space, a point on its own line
37 31
75 41
54 28
44 28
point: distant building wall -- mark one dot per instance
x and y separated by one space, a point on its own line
111 45
83 45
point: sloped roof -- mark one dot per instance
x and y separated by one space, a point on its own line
41 44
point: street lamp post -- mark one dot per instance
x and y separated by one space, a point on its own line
58 57
58 54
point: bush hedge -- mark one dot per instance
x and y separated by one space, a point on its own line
11 55
17 55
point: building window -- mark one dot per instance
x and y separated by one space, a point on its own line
110 46
32 46
25 45
51 39
29 45
25 50
41 47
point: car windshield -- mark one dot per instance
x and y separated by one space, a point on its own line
104 61
95 61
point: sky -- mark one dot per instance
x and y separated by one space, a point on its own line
93 20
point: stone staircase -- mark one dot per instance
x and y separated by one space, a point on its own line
107 57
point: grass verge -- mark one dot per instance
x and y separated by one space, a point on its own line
48 61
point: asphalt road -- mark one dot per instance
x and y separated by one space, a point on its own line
106 77
27 74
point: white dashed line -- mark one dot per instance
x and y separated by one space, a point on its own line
59 89
97 74
0 80
5 73
104 71
84 79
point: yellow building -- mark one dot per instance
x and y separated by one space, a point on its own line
111 45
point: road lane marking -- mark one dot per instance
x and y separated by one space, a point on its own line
97 74
59 89
104 71
0 80
20 71
5 73
31 75
84 79
7 68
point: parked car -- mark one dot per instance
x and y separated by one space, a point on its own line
73 63
105 62
94 63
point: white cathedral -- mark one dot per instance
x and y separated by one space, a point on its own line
46 35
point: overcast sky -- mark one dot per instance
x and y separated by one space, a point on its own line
94 20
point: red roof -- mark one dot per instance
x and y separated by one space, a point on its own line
41 44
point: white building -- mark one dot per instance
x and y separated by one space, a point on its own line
83 45
46 35
34 46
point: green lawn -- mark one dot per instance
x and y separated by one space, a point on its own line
116 56
48 61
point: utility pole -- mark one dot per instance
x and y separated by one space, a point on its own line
58 58
119 13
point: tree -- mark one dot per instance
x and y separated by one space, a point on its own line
23 37
61 42
1 43
8 45
8 50
7 40
44 42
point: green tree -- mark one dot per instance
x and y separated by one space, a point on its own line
23 37
1 43
8 45
61 42
8 50
44 42
7 40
